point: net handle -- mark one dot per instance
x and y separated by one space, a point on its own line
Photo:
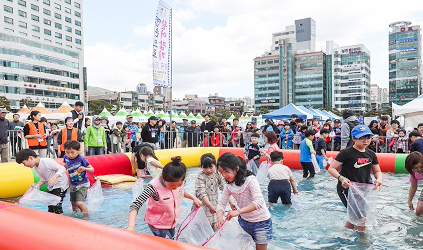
193 212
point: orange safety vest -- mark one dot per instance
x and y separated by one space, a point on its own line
34 142
65 137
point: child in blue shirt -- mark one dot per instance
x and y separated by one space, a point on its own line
286 136
77 166
306 150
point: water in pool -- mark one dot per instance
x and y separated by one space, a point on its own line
314 221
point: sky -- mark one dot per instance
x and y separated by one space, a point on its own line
215 41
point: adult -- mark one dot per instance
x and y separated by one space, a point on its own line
208 124
350 121
95 138
330 122
417 142
78 116
193 134
134 128
226 130
150 133
182 134
35 133
4 126
109 132
420 128
254 128
70 133
337 129
270 126
392 133
384 123
50 151
16 128
315 126
170 136
374 127
294 117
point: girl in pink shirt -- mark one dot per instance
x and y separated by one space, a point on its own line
414 166
253 215
271 138
164 194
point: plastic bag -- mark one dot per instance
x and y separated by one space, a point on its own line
95 196
315 164
137 189
33 196
196 228
251 165
262 172
328 162
231 236
362 202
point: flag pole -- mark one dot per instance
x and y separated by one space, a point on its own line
171 66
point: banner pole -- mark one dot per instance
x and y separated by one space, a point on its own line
171 67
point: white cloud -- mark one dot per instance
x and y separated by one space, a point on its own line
146 30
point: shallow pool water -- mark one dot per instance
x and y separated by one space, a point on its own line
314 221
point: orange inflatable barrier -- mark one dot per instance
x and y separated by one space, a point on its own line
24 228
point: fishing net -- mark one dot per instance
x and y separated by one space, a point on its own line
251 165
33 196
315 164
362 203
196 228
263 171
328 162
137 189
95 196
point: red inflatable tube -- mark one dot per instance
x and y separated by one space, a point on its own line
24 228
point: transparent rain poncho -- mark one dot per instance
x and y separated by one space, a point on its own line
315 164
230 236
95 196
137 189
263 171
362 203
251 165
33 196
196 228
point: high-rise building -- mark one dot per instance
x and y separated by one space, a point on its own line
351 70
41 52
405 81
376 97
330 48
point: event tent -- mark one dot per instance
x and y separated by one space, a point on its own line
312 112
63 109
105 113
331 116
40 107
334 115
323 115
412 112
287 111
24 110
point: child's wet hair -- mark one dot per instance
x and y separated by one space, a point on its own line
208 160
276 156
412 159
24 155
255 135
308 133
175 170
230 161
72 145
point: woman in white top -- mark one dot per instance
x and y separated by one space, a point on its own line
153 166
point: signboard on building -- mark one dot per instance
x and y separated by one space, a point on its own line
351 50
270 101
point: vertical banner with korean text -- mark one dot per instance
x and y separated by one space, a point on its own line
162 46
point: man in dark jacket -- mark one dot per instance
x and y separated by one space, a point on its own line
78 116
350 121
207 124
193 133
4 126
16 135
150 132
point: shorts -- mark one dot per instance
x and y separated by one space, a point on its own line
164 233
261 231
78 193
279 188
421 196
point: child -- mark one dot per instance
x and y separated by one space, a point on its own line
356 164
77 166
54 134
217 137
236 137
306 150
321 147
286 136
270 138
281 180
154 167
414 166
164 195
50 171
117 137
400 144
207 184
252 150
206 139
253 215
417 142
127 139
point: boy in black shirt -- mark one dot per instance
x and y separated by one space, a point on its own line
416 142
252 150
320 146
357 163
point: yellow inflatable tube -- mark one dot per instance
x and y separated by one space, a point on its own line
14 179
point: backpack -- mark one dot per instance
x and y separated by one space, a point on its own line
352 125
297 138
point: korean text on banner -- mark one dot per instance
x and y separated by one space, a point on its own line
162 46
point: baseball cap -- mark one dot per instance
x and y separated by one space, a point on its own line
3 110
281 123
96 117
360 131
153 118
337 120
185 118
129 116
193 121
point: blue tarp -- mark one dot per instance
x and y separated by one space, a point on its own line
336 117
324 116
287 111
312 112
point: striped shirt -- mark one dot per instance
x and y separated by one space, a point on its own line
148 192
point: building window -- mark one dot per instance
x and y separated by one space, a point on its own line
78 32
78 23
58 25
67 10
47 12
8 9
57 15
36 37
57 6
68 1
46 2
35 18
23 33
67 19
58 35
68 38
22 2
22 24
47 40
48 22
69 46
47 32
22 13
77 14
35 7
68 29
8 20
11 30
78 41
59 43
35 28
77 5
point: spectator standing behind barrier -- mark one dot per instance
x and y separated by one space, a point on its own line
78 116
420 128
35 133
150 132
117 138
337 130
95 138
207 124
170 136
105 124
4 126
192 134
182 133
134 128
392 134
350 121
384 123
16 135
70 133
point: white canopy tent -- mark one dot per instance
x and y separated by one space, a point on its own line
412 112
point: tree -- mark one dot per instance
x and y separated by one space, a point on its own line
96 106
4 102
26 102
264 110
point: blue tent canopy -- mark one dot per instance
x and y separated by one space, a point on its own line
331 116
287 111
312 112
324 116
336 117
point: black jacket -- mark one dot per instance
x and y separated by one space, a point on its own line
150 133
207 126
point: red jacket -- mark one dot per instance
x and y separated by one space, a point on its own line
217 139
